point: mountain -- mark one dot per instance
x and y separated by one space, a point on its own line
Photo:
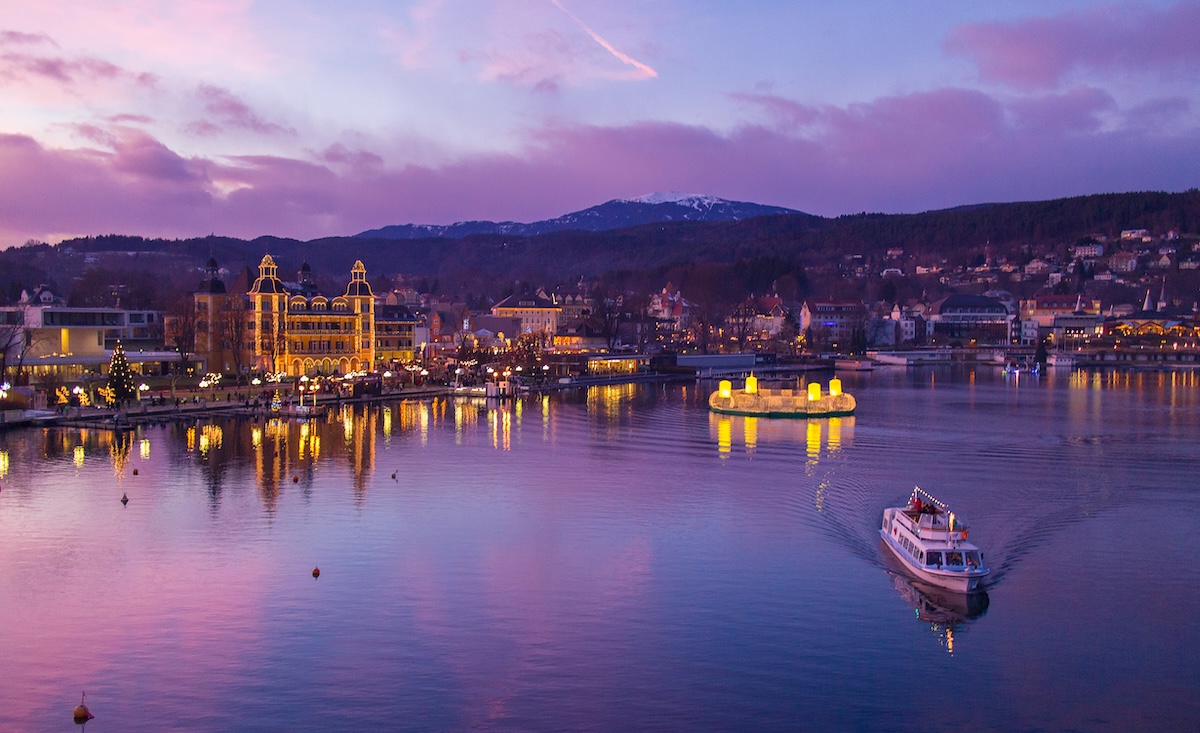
654 208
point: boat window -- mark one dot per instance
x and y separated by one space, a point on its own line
921 557
973 559
954 558
933 558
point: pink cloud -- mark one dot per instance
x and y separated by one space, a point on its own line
904 153
1042 52
230 111
1078 110
18 37
29 66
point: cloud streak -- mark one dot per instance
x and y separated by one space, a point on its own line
642 70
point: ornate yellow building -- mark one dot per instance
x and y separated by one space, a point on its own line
302 334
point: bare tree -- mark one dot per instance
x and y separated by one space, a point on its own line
232 331
12 340
709 285
181 327
608 311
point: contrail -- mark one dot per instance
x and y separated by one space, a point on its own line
646 71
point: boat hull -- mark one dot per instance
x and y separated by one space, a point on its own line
965 581
785 404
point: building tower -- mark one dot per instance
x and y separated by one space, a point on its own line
362 304
268 300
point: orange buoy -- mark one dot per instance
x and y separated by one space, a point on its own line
135 472
295 479
81 712
316 572
124 499
393 475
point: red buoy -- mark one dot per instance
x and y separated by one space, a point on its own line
295 479
316 572
135 472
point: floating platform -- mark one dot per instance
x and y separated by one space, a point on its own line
782 403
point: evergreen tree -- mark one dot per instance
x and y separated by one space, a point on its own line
120 379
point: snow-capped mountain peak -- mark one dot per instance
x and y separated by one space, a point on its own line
616 214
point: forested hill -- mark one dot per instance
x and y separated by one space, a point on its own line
954 234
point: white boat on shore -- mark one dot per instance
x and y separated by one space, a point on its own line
931 543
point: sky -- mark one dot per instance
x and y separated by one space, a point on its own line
304 118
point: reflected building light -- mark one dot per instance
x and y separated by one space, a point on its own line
423 423
144 449
812 437
387 423
315 446
3 463
203 444
79 456
835 434
751 433
191 439
724 435
545 417
256 437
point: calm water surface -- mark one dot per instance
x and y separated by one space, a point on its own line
612 560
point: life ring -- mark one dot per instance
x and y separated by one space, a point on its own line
964 534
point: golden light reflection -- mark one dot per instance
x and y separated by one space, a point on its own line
756 432
3 463
256 434
501 424
211 437
423 422
79 456
191 439
387 423
144 449
812 437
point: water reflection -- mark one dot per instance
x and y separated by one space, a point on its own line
944 612
829 434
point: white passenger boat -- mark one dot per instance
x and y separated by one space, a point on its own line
931 543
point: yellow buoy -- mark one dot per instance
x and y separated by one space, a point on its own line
751 384
725 389
835 387
814 391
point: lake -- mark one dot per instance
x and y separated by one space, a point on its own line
613 560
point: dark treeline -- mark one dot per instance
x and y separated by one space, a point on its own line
748 256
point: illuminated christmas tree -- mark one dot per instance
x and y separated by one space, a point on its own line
120 379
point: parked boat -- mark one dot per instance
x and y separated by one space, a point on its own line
931 543
853 365
754 401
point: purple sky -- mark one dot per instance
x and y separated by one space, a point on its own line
305 118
